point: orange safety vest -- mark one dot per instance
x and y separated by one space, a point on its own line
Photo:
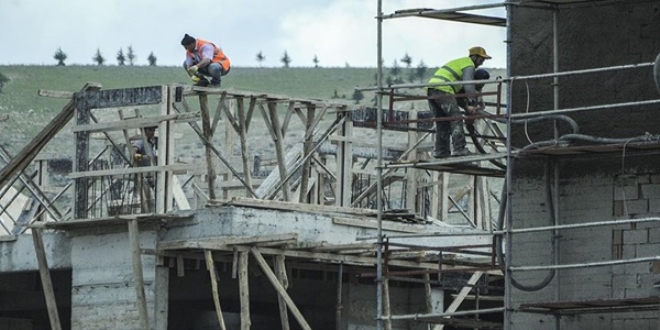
218 55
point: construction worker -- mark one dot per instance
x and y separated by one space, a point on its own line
443 103
146 155
204 59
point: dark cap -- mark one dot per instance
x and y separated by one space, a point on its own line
187 40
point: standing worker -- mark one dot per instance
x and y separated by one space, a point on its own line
204 59
443 103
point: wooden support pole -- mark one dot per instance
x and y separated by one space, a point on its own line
208 135
279 150
309 141
280 271
210 265
427 293
387 311
461 296
244 290
138 277
244 150
280 289
46 283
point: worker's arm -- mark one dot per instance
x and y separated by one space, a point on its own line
470 90
207 55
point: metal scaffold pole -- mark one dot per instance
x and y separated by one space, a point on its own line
379 170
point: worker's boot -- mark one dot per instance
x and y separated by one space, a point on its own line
203 82
462 152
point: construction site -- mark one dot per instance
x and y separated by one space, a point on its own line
553 221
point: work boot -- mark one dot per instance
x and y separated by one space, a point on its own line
462 152
215 83
203 82
441 154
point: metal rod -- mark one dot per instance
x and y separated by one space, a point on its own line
441 11
508 279
593 107
586 264
379 169
419 316
577 225
516 78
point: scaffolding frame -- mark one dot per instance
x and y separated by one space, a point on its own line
644 145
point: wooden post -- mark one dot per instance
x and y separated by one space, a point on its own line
279 150
427 293
444 197
210 265
208 135
309 143
280 289
387 311
138 278
81 160
280 271
46 283
411 175
243 137
344 163
244 289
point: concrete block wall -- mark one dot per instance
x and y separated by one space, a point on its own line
103 294
602 196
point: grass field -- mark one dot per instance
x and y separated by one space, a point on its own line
28 113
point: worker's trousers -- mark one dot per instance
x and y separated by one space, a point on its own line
444 105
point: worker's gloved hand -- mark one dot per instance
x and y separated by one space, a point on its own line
137 157
195 79
193 69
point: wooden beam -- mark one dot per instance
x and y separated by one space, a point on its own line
218 111
279 148
280 289
134 123
461 296
46 283
210 265
244 290
226 241
24 157
208 135
280 271
387 225
138 277
242 132
308 144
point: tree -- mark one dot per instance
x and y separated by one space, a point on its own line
121 59
98 58
131 55
260 58
395 70
60 56
316 61
357 96
421 70
286 59
3 80
407 59
152 59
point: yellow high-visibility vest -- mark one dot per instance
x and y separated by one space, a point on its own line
452 71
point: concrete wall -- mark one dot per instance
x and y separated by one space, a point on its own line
605 194
589 37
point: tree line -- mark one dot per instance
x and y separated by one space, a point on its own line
98 58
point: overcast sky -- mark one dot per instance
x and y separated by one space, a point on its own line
338 32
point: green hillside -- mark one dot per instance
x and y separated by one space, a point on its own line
28 113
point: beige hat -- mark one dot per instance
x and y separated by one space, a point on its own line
479 51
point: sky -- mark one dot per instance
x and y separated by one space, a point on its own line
338 33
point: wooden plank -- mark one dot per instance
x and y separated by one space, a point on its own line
279 149
287 118
138 277
280 271
131 170
46 283
308 144
27 154
135 123
210 265
461 296
272 180
244 290
288 206
55 94
387 311
208 135
387 225
264 115
344 165
125 97
248 117
218 112
226 241
242 132
280 289
179 196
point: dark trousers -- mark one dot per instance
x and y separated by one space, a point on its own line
444 105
